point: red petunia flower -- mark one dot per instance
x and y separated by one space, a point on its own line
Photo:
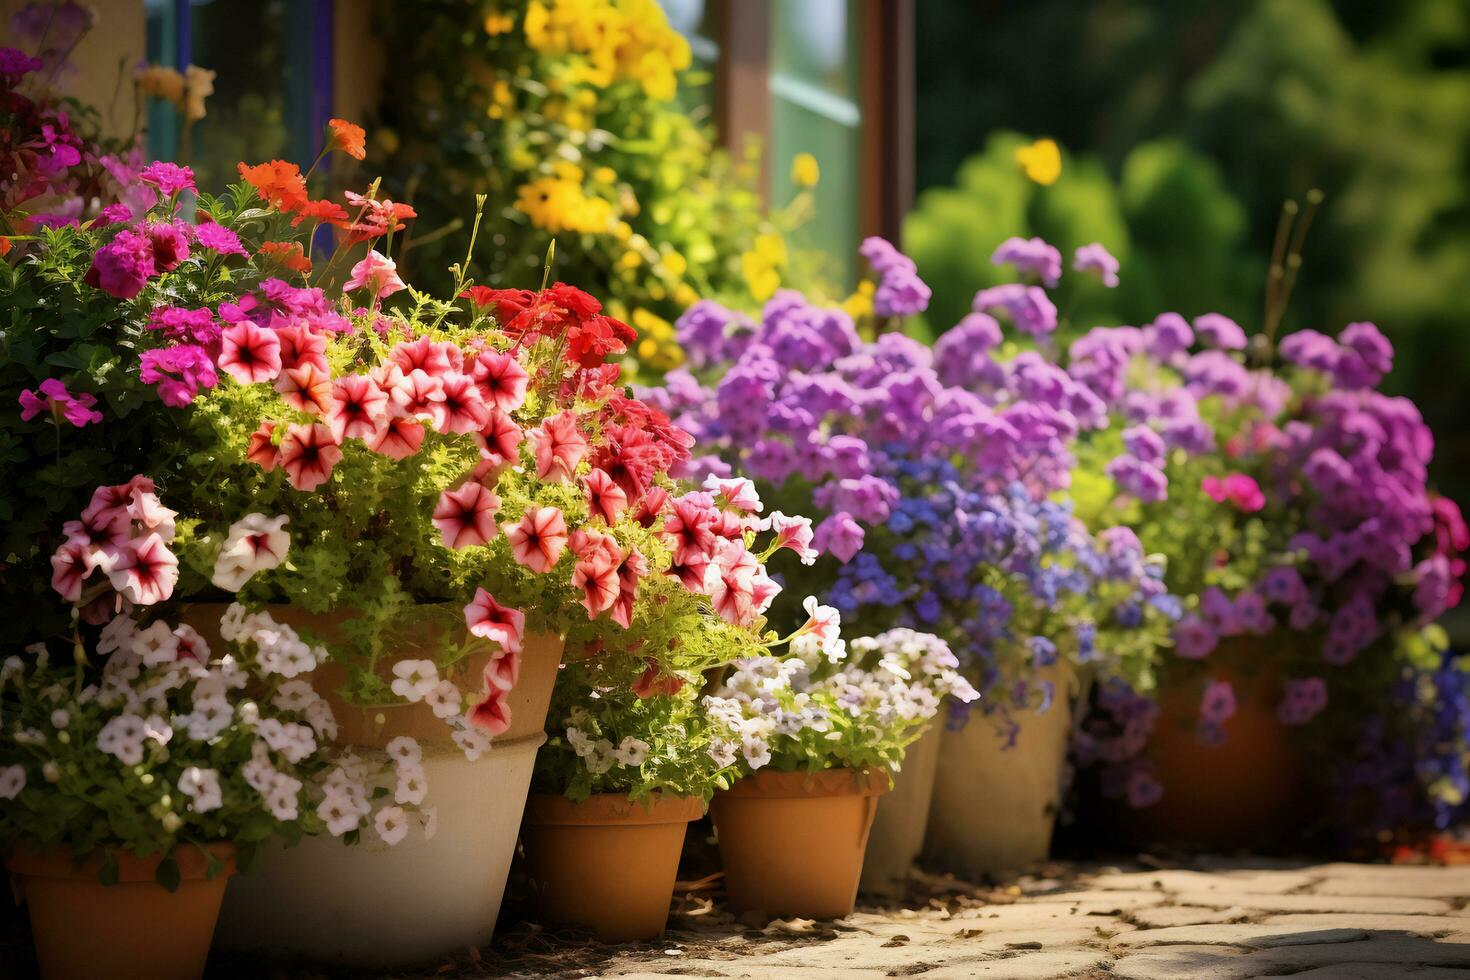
500 378
605 498
261 450
399 438
487 618
308 454
359 407
539 539
500 440
249 353
307 388
493 713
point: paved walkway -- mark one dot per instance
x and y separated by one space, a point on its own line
1228 921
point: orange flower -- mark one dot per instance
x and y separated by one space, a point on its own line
4 247
289 254
327 211
278 183
347 137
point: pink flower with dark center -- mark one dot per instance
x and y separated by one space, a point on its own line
249 353
690 526
399 438
559 447
491 714
823 624
359 407
145 571
692 574
500 378
651 505
300 346
420 395
107 499
500 624
308 453
605 498
538 540
464 410
261 450
1242 491
101 537
376 273
425 355
70 566
732 582
306 388
633 569
121 267
503 670
465 516
597 576
146 509
500 439
51 395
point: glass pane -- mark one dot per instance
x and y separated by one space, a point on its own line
262 105
815 109
696 21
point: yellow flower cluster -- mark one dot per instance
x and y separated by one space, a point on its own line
618 39
557 202
761 266
1041 161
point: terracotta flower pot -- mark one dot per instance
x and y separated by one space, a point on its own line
903 815
387 907
792 843
132 930
606 864
995 807
1244 791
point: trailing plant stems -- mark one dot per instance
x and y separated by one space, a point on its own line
1286 258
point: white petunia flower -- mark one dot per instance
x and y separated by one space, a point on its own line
122 737
156 645
631 751
255 543
475 742
445 699
319 716
412 786
282 798
13 667
429 817
414 679
202 788
339 811
757 751
12 781
405 751
391 824
294 696
723 752
60 718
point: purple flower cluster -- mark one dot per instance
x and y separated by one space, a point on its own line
1031 256
900 291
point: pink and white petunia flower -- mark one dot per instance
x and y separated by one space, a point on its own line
70 566
500 440
734 494
690 526
425 355
539 539
501 379
420 395
399 438
249 353
794 533
146 571
596 574
737 585
503 670
300 347
559 447
491 715
501 624
376 273
308 454
261 450
465 515
463 410
101 538
306 388
359 408
146 509
255 543
605 498
823 624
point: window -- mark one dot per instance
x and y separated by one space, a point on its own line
273 94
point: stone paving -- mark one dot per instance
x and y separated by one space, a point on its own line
1224 922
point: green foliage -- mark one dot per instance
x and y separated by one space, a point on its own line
1168 220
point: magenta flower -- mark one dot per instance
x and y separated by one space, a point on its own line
52 395
839 536
1218 703
219 239
169 178
465 516
1302 700
121 267
1242 491
1096 258
170 242
178 372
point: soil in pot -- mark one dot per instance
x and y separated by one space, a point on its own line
792 843
606 864
132 930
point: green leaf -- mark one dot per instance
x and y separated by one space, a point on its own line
108 873
168 874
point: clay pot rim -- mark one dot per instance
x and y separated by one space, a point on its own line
56 861
611 809
775 785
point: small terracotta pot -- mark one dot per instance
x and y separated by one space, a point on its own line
606 864
792 843
1246 791
132 930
